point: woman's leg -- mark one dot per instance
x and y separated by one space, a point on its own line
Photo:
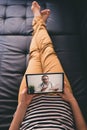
43 58
34 65
48 57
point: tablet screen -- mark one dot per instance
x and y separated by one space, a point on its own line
45 83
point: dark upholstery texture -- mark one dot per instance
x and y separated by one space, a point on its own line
67 26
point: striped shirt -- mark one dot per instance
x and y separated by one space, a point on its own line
47 112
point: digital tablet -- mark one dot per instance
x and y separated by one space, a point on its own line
45 83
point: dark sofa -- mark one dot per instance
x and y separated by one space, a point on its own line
67 26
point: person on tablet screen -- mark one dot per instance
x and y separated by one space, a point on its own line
47 85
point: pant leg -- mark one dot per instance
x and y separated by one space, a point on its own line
49 59
34 65
43 58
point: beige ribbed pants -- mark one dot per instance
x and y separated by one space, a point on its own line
43 58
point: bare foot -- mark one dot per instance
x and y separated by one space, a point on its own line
36 11
35 8
45 14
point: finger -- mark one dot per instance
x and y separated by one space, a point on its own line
64 82
24 90
32 95
60 94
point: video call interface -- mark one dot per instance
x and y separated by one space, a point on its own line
45 83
